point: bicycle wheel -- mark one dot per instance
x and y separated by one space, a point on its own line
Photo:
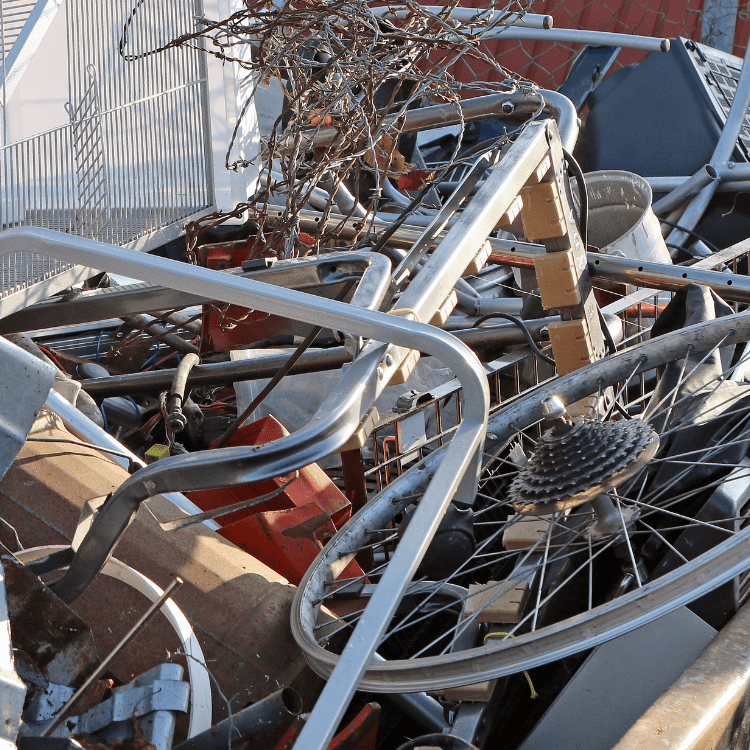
584 581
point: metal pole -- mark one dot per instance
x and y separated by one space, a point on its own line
478 108
686 190
475 16
726 183
579 36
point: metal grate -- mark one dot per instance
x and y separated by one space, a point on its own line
14 16
134 162
135 158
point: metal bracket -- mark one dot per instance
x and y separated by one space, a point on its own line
159 690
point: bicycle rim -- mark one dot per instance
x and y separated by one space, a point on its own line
429 619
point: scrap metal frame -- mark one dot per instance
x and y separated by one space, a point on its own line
343 411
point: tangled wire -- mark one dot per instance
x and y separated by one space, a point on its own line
348 72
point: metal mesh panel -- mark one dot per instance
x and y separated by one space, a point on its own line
14 15
136 155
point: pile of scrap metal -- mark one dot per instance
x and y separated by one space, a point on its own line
373 516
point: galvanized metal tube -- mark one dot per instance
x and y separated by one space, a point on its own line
580 36
694 184
475 16
726 184
639 273
214 374
733 170
274 712
670 278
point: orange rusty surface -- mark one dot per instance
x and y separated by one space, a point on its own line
287 540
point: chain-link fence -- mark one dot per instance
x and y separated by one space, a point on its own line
720 24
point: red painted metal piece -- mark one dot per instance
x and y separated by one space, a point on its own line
354 478
230 327
311 484
287 540
360 734
222 255
288 531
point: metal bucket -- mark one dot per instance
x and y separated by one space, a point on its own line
620 217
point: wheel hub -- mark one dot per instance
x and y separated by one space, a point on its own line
578 459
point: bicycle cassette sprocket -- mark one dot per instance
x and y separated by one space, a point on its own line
578 459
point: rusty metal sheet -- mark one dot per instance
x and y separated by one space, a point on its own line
56 640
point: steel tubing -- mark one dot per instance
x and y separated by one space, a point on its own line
214 374
727 184
581 36
733 170
336 420
480 107
474 16
686 190
641 273
140 383
722 154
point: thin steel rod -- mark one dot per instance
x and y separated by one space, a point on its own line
666 184
580 36
131 634
478 108
474 16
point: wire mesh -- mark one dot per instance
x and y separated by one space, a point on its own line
351 71
136 154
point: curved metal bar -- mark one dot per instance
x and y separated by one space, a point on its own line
301 274
494 105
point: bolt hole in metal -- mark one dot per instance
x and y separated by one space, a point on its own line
556 575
